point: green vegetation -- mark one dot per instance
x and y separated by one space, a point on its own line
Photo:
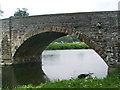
21 12
111 81
67 42
67 39
1 12
61 46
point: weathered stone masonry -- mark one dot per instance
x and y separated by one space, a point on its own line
23 39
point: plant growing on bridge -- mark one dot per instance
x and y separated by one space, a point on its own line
21 12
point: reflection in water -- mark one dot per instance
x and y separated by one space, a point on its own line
57 64
0 77
64 64
22 75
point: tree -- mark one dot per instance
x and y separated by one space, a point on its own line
67 39
21 12
1 12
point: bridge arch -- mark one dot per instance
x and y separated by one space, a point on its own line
34 43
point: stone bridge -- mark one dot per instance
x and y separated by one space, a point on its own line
23 39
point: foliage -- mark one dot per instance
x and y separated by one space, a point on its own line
21 12
67 39
1 12
111 81
61 46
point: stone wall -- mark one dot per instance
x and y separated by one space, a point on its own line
97 29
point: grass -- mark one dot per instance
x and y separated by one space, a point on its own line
62 46
111 81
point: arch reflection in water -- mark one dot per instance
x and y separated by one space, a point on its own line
24 74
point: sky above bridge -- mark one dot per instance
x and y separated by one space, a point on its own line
39 7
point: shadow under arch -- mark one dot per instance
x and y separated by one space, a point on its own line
35 42
23 74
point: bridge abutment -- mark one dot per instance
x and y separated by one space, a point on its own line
5 38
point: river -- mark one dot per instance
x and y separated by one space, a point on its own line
64 64
56 64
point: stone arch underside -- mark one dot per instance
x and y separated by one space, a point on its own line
33 47
35 42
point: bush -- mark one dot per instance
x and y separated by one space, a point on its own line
62 46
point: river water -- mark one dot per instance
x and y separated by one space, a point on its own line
64 64
56 64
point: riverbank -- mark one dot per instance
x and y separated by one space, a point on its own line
111 81
62 46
